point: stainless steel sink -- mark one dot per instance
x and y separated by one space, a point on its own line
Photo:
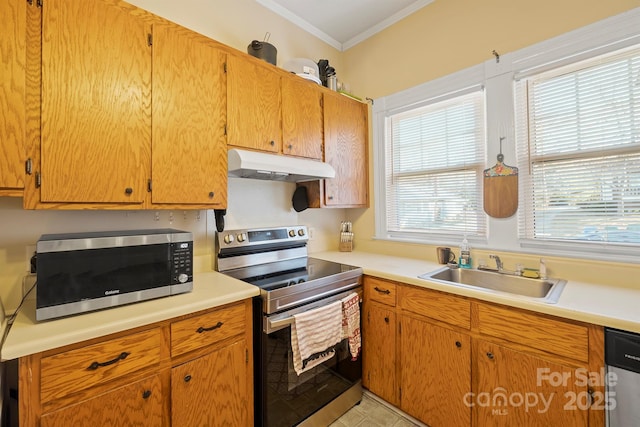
543 290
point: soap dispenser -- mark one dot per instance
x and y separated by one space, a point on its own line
464 261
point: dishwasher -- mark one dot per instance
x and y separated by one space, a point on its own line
622 356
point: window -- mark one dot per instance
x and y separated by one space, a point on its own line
434 157
579 134
567 108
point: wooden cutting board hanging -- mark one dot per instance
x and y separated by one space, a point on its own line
500 189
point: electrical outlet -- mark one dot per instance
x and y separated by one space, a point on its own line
29 251
312 232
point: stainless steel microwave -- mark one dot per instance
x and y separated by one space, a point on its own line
82 272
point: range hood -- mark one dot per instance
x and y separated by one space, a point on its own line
274 167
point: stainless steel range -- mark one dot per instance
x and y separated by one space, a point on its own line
291 283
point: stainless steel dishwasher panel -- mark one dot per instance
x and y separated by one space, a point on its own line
622 355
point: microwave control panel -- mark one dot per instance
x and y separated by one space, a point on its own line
182 262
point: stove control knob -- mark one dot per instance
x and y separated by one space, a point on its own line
242 237
292 233
301 232
228 238
182 278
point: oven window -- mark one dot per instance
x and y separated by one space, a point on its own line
290 398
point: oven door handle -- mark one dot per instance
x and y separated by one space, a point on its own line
272 325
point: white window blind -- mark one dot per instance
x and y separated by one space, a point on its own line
579 139
434 162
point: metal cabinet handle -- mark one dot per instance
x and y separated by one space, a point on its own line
490 355
128 191
146 394
211 194
382 291
386 319
203 329
458 344
96 365
272 143
187 378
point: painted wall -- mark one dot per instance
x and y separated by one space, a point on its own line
451 35
251 203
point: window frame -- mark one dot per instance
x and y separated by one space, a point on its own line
498 78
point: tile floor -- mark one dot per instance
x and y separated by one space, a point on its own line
372 413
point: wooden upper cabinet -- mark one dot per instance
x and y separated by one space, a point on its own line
189 156
96 103
12 96
345 148
302 113
253 104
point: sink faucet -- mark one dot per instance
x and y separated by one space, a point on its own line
498 261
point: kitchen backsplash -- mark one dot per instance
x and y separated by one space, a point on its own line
251 203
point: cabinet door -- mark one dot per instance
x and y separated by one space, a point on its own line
379 351
189 157
435 373
212 390
345 148
12 96
302 125
137 404
254 105
96 103
516 388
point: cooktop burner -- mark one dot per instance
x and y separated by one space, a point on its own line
276 261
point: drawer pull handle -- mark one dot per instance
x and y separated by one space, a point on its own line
382 291
187 378
216 326
490 355
146 394
96 365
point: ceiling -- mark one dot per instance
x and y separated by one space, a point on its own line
344 23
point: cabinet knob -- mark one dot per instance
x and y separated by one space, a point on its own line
386 319
272 143
290 147
211 194
146 394
458 344
490 355
187 378
128 191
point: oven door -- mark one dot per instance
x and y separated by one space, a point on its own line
284 398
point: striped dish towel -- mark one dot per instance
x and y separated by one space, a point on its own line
314 333
351 323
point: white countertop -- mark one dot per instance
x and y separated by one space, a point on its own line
26 336
588 302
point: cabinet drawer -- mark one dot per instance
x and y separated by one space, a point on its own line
553 335
380 290
74 370
199 331
436 305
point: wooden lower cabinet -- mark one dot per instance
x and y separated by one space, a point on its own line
458 361
436 373
137 404
516 388
194 370
379 350
211 390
